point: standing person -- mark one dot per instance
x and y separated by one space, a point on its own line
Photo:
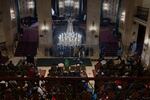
133 48
102 52
119 53
11 65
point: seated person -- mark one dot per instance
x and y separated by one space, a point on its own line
3 59
30 59
11 66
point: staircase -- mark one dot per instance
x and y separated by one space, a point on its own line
19 50
110 49
26 48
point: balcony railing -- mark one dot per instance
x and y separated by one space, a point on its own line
142 13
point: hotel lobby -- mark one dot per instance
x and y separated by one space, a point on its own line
74 49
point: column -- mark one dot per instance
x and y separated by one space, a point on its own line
93 26
146 47
2 35
45 24
9 25
129 9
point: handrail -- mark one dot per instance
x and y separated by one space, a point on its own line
105 78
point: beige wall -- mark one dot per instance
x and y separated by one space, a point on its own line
44 19
146 3
8 27
2 37
24 11
93 17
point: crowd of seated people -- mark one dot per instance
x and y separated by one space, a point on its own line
3 59
44 90
40 89
117 89
24 68
72 71
123 90
131 66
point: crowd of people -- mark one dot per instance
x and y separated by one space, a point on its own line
22 69
117 89
131 66
37 89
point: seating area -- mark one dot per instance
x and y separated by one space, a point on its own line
131 66
116 79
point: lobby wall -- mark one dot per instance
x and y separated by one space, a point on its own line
146 3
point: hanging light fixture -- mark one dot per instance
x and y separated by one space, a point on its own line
70 38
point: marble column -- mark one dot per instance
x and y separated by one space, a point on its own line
129 9
93 26
9 26
45 24
146 47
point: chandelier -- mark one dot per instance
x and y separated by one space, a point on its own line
70 38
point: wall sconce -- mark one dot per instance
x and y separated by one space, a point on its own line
106 6
52 11
61 4
44 27
146 42
12 14
93 28
30 5
76 5
123 14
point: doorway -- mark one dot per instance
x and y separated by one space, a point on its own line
140 38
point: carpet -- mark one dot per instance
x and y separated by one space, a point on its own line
56 61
